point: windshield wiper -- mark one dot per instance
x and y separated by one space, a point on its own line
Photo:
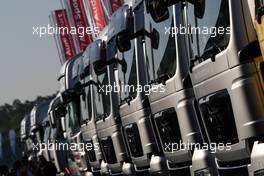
210 52
85 121
127 100
102 117
161 79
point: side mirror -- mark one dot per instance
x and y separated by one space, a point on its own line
158 9
97 55
123 42
154 37
122 26
67 96
60 111
72 93
199 8
111 54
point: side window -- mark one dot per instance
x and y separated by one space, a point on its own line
210 33
160 61
84 107
74 115
101 97
86 99
130 76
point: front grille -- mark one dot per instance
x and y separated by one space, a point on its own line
133 140
108 150
259 172
167 126
218 117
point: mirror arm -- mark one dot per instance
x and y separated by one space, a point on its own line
114 60
68 96
90 82
141 32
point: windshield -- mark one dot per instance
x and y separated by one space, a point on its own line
162 61
101 97
74 114
41 112
59 132
74 107
212 31
86 105
127 80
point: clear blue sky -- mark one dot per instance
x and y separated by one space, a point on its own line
29 66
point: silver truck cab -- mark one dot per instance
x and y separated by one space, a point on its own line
71 99
37 115
227 84
89 111
176 117
108 123
56 112
24 135
46 139
125 54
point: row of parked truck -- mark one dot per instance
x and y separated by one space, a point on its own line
208 120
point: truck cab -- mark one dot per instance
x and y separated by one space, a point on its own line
108 123
89 104
46 139
25 135
227 82
56 114
70 98
125 58
175 114
37 115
